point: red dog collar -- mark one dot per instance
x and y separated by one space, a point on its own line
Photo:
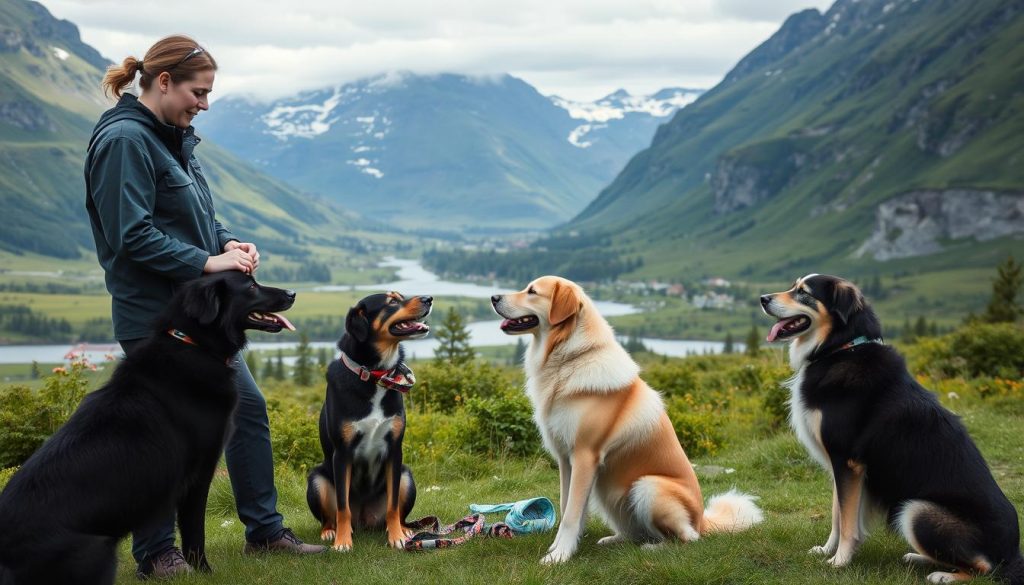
181 336
400 378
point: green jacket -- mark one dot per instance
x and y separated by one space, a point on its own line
151 212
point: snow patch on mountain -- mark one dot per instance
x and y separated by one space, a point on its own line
616 106
576 136
364 167
306 120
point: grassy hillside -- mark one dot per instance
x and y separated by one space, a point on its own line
779 170
44 133
471 439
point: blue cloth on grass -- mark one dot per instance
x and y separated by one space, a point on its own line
524 516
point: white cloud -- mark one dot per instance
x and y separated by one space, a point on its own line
579 49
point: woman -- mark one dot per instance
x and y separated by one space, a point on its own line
154 226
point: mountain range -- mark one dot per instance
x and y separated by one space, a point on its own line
878 135
453 152
50 98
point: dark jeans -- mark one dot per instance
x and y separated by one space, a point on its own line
250 462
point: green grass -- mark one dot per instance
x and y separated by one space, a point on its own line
795 495
797 518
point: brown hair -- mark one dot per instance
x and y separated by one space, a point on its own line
175 54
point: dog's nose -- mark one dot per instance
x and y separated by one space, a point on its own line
290 294
426 300
495 299
765 300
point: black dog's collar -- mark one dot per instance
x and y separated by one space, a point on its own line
182 336
400 378
854 343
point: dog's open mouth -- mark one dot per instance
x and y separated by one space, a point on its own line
410 327
789 327
520 323
270 322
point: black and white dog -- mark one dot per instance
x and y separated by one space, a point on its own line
143 446
362 481
887 441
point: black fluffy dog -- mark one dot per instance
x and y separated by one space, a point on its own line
362 480
887 441
142 446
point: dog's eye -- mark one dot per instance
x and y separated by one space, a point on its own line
531 291
392 301
252 286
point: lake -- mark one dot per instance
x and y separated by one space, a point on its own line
413 278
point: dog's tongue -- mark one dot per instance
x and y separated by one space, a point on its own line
505 323
284 321
774 333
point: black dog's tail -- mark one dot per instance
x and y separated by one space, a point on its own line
1013 571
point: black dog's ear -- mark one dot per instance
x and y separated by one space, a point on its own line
356 323
202 301
846 300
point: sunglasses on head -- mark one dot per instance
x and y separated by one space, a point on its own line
194 52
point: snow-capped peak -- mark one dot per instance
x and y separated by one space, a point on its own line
596 115
615 106
303 121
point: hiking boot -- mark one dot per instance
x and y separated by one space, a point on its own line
285 542
169 563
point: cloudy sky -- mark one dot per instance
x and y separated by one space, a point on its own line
579 49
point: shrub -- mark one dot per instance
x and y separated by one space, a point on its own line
27 418
430 436
6 474
500 424
443 387
294 435
672 378
697 425
776 405
977 349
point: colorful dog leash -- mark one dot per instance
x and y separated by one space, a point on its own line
472 525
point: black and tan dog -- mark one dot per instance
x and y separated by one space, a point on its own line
886 440
362 481
143 446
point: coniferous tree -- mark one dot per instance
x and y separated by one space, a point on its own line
303 371
921 327
453 340
268 369
728 347
634 345
1004 306
908 331
279 365
250 362
753 342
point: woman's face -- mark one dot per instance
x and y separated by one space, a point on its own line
181 102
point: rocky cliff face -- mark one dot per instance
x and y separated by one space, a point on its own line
919 222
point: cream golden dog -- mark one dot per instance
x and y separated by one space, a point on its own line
607 428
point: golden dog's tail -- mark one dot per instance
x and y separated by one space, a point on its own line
732 511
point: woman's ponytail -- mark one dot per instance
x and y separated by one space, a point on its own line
118 77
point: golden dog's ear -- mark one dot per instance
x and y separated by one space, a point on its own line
565 303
